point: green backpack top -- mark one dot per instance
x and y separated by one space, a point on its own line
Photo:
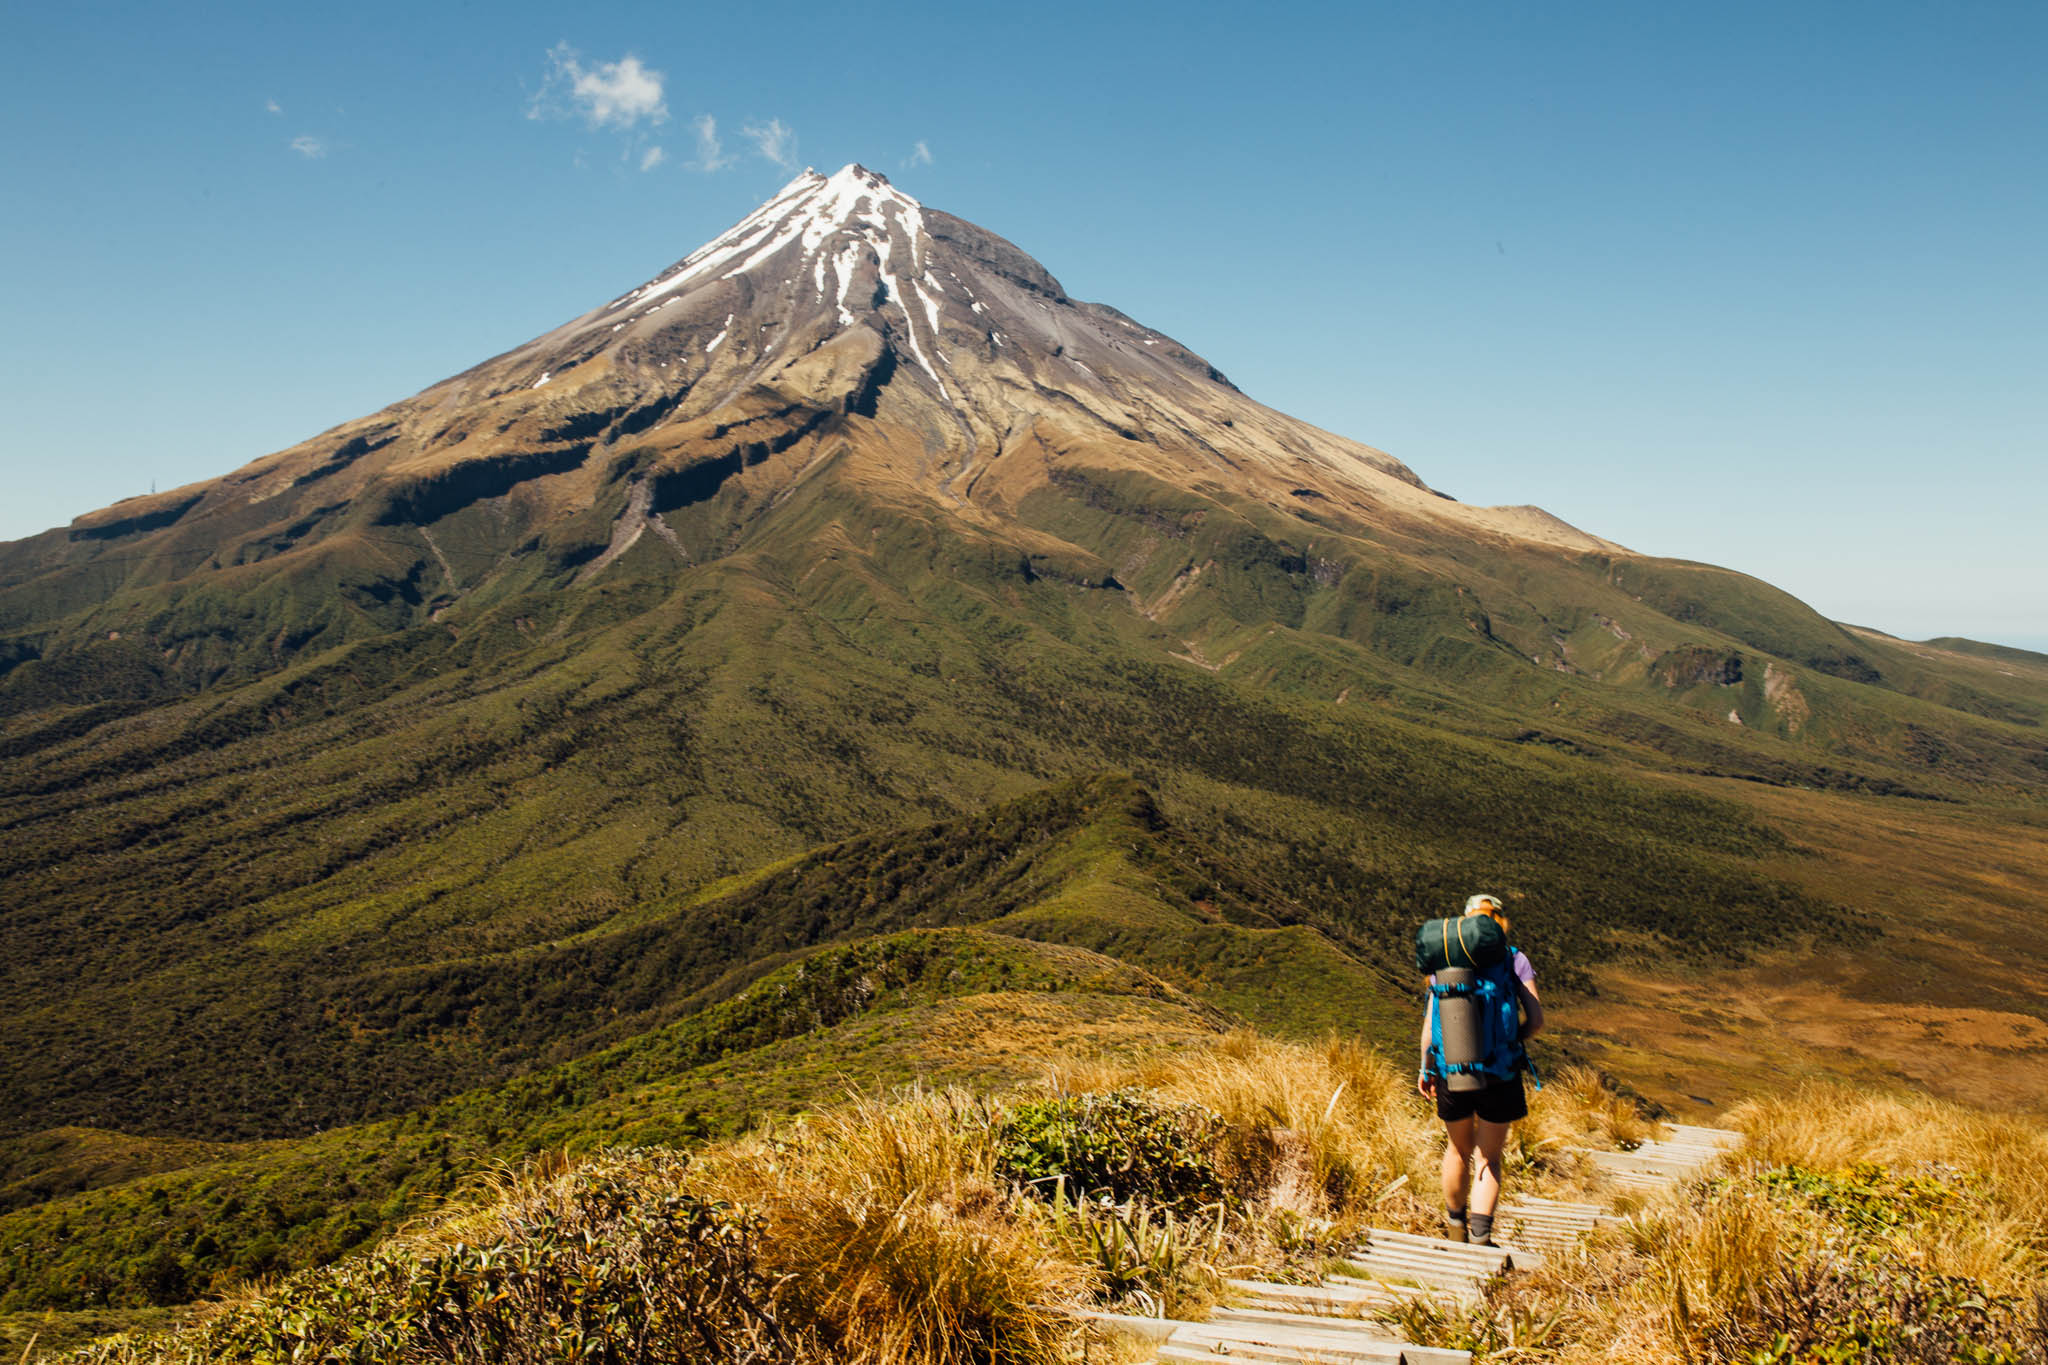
1474 941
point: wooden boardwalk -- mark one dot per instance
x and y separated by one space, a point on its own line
1341 1320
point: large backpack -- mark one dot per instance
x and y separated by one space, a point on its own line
1501 1054
1477 943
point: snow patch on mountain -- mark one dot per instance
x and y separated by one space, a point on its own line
835 222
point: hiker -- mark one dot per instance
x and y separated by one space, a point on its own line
1479 1119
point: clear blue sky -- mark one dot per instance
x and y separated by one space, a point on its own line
1756 284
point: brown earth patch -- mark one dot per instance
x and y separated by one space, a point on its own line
1696 1045
1937 981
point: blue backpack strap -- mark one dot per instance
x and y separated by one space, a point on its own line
1436 1030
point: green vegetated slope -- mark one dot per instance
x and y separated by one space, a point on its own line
218 886
951 1005
61 1161
229 884
1525 627
1089 862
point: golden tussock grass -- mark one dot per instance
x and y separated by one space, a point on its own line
1834 1126
897 1242
885 1231
2003 1241
1915 1222
1336 1119
1579 1107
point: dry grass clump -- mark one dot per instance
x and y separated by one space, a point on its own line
1578 1106
895 1242
1316 1130
610 1263
1853 1227
2005 1156
875 1233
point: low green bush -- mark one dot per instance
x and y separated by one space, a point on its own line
1120 1143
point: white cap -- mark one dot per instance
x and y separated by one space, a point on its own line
1475 904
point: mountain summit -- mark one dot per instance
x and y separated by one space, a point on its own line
841 319
844 294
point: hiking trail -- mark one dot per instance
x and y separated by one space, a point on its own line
1342 1318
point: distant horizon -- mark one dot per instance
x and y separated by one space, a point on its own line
1751 287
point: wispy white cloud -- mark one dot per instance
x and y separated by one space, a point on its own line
621 94
773 140
309 147
920 155
273 106
711 155
651 158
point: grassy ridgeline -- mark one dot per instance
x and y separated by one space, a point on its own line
864 1014
898 1229
1852 1227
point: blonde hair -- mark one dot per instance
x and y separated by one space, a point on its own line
1484 904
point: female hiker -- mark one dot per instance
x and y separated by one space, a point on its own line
1479 1119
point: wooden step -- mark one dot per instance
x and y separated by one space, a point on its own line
1246 1338
1397 1260
1526 1241
1299 1335
1212 1351
1675 1151
1556 1206
1635 1163
1305 1293
1258 1341
1428 1277
1645 1177
1392 1287
1492 1260
1311 1354
1271 1317
1633 1182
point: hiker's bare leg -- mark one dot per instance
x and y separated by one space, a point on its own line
1491 1140
1457 1162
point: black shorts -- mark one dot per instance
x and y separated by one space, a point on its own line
1501 1102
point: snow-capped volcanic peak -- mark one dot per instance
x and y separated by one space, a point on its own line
827 231
812 210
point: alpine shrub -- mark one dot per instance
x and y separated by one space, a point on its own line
1122 1143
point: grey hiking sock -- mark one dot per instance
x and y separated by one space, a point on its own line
1480 1228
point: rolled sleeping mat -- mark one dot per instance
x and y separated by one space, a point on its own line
1465 941
1463 1034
